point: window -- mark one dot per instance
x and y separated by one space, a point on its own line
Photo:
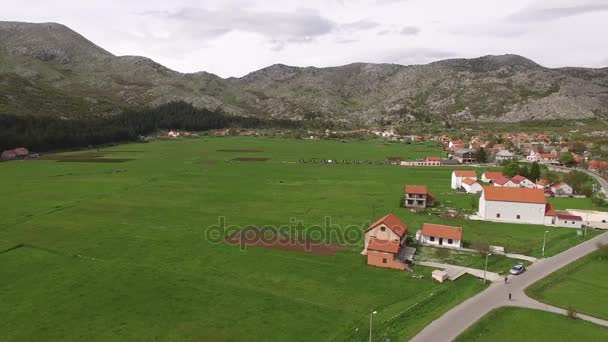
384 260
497 215
382 229
572 222
432 238
450 241
518 217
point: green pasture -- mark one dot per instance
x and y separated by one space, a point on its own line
123 251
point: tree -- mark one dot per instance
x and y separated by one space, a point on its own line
577 180
550 176
511 169
482 247
524 171
534 173
482 155
566 158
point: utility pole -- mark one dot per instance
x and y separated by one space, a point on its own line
485 270
544 242
371 315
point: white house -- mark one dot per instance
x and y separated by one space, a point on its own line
459 175
504 182
561 189
503 155
517 205
567 220
523 182
534 156
440 235
490 176
471 186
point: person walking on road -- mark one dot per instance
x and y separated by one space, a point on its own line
509 295
506 278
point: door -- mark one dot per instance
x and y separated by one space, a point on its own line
440 241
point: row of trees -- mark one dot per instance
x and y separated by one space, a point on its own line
41 133
513 168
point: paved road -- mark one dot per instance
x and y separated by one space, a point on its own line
454 322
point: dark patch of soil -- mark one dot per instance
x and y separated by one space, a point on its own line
241 159
238 151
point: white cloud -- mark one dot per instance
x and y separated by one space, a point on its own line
234 37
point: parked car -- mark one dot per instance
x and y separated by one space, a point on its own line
518 269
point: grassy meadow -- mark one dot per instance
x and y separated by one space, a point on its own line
518 324
582 285
122 251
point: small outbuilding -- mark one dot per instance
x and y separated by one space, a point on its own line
568 220
440 236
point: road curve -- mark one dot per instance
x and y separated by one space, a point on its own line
454 322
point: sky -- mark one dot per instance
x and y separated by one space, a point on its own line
235 37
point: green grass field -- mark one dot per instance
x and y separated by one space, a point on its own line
120 251
582 285
517 324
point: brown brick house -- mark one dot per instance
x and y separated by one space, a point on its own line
384 240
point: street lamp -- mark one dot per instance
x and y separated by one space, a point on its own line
486 268
544 242
371 315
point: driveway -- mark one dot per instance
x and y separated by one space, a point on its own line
454 322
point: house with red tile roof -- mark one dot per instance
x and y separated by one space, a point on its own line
459 175
504 182
523 182
568 220
490 176
384 239
8 155
418 196
516 205
471 186
561 189
440 235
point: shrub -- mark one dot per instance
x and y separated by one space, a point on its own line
482 247
442 253
602 248
571 312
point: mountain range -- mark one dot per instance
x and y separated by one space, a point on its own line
48 69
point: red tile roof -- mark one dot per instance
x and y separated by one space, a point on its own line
501 181
393 223
416 189
549 210
383 245
518 179
433 159
465 173
521 195
542 182
493 175
469 181
569 217
438 230
548 156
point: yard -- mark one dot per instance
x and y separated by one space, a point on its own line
496 263
517 324
582 285
124 250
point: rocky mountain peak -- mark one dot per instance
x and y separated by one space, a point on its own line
49 42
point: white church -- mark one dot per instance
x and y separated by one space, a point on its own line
517 205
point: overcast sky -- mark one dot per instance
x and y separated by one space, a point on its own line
235 37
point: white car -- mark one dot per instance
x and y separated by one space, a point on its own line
518 269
